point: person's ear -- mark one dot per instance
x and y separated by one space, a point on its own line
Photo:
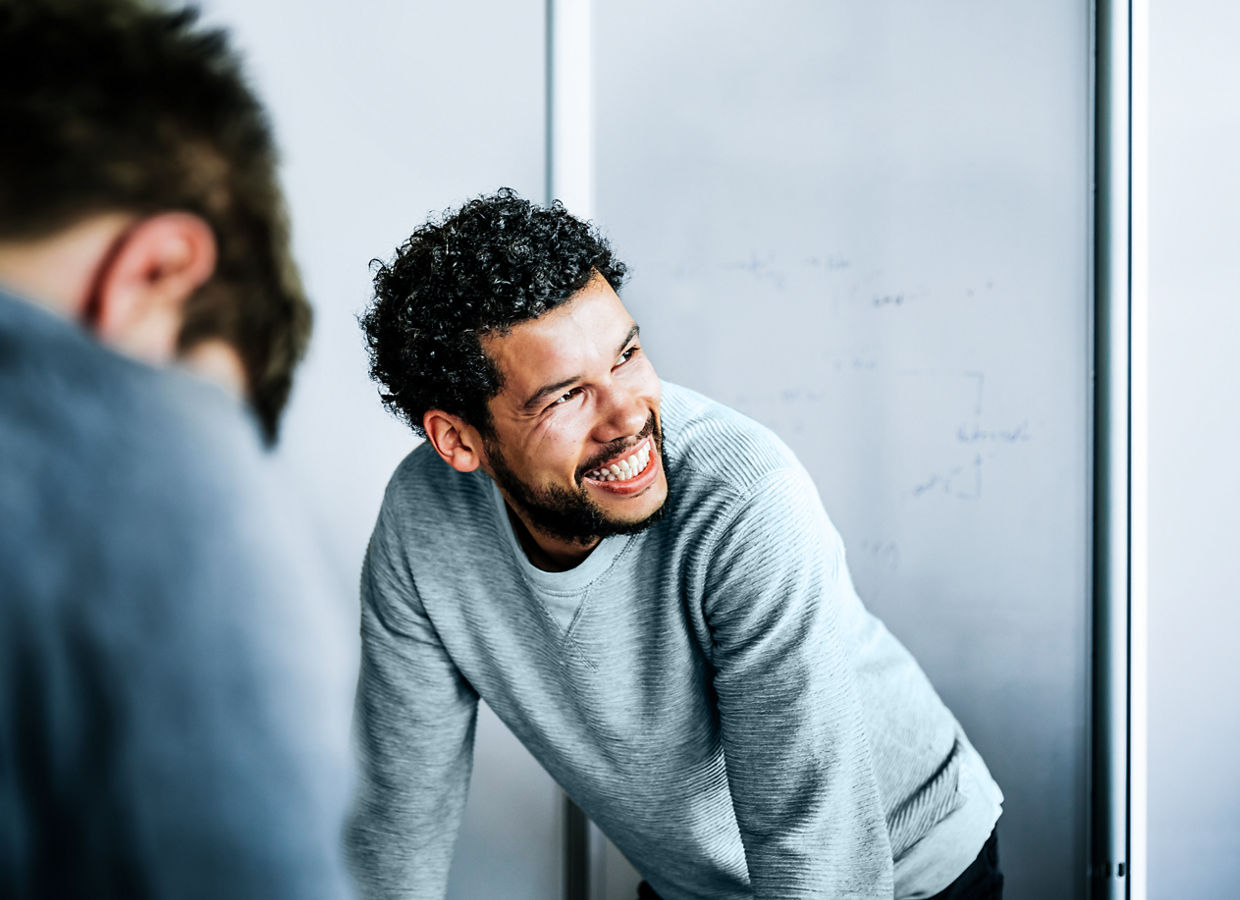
140 300
457 442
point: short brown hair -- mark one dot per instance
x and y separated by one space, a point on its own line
124 105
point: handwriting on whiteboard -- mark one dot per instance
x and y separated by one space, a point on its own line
974 433
963 482
960 439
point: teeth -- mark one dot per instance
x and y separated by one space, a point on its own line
624 469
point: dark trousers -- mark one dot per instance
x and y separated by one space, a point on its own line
981 881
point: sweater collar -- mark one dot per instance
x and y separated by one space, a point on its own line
574 579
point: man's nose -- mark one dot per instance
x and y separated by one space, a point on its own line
624 415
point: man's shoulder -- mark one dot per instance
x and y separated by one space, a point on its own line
423 472
715 448
425 489
421 468
88 427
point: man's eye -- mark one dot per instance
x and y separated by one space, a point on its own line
565 397
626 356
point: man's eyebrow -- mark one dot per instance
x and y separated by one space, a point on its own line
546 390
628 338
551 389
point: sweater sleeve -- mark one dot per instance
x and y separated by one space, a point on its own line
414 723
798 761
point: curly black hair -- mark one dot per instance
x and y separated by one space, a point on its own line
497 261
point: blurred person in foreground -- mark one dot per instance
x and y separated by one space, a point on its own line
643 584
173 694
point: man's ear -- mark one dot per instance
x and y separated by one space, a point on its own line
140 299
457 442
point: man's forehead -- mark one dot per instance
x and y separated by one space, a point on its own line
561 344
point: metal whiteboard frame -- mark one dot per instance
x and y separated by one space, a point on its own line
1117 824
1117 766
1138 532
570 178
570 105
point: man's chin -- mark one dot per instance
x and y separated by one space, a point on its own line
613 523
637 526
586 523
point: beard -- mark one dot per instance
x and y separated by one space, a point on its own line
570 515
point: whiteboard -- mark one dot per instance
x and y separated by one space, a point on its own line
867 226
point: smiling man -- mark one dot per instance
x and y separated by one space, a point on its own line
643 585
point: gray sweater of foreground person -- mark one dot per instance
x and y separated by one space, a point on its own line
710 691
174 684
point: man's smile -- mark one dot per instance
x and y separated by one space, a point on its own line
628 473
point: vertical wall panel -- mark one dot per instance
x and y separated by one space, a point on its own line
388 111
1194 483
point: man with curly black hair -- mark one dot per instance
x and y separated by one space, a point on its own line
174 700
645 588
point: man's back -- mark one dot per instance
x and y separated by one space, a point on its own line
173 713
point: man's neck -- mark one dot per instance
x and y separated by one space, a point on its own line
218 361
56 271
545 552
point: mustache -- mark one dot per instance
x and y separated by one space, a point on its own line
617 447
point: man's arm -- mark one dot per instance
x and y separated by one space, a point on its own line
415 718
798 760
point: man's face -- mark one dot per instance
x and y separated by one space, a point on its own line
576 445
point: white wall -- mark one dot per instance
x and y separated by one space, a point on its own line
1194 434
387 111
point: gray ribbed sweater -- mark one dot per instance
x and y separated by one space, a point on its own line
711 692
